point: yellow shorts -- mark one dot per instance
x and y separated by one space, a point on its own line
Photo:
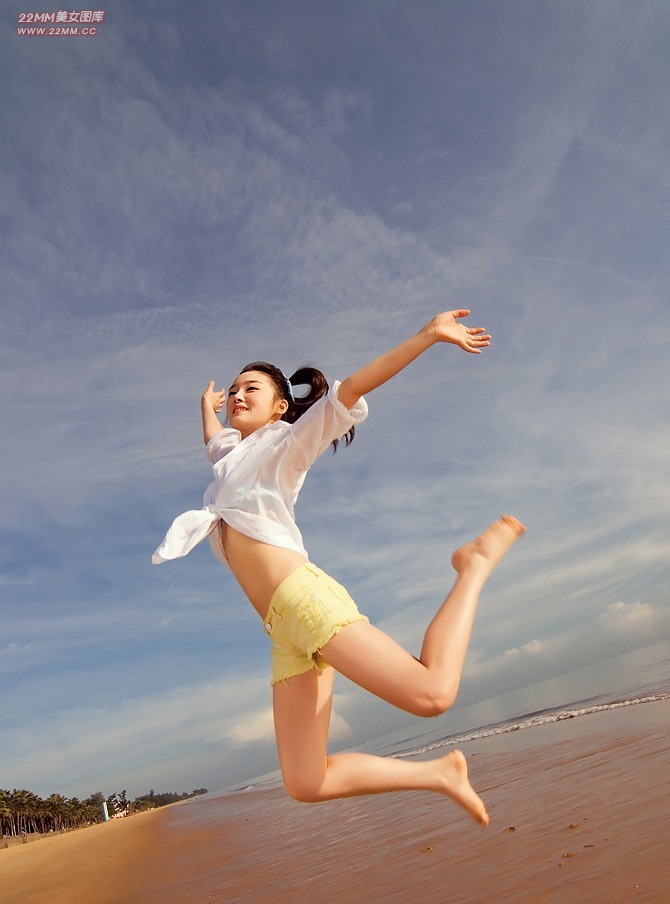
306 611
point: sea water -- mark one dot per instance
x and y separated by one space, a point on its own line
631 679
642 676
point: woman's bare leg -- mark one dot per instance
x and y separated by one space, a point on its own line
426 686
302 708
302 705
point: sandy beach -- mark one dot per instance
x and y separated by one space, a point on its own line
103 863
578 814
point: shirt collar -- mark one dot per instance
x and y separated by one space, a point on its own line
257 435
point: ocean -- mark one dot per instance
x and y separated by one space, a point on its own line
631 679
638 677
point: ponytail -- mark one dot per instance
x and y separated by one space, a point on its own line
298 405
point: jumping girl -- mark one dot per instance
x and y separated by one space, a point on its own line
260 462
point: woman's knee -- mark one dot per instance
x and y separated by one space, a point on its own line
433 702
303 788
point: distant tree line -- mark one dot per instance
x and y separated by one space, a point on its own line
24 813
117 802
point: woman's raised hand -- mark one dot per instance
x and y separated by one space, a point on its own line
214 398
446 328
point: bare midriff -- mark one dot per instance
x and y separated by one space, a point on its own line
258 567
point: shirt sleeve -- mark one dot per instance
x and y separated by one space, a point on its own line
222 443
327 420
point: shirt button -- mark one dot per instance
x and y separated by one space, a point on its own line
268 627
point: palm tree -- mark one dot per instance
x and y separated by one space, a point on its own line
19 802
5 813
56 807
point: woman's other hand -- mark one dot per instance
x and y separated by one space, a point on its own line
446 328
213 398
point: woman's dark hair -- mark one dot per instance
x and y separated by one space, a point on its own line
297 405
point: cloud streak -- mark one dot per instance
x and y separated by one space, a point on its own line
179 200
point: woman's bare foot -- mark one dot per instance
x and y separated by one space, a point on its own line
490 547
457 786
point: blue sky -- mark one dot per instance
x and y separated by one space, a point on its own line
199 185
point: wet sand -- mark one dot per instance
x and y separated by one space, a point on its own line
578 813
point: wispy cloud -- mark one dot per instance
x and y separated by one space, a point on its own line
314 191
621 627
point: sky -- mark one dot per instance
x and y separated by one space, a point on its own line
202 184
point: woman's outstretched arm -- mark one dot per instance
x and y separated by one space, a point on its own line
442 328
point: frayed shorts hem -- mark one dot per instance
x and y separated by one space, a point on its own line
306 611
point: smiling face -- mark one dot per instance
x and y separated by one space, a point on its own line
252 402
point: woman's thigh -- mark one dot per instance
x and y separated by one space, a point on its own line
374 661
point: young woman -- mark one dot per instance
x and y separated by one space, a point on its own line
260 462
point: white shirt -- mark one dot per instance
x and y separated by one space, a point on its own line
257 479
